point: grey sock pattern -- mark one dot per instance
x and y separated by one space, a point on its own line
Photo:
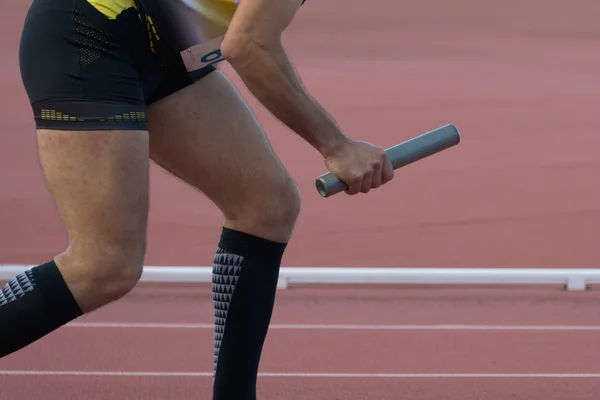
226 273
17 287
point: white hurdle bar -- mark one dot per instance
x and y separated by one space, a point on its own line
572 279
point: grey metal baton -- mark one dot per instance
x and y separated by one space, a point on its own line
400 155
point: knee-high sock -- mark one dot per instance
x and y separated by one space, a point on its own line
245 274
33 304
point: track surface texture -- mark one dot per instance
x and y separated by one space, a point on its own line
328 343
519 80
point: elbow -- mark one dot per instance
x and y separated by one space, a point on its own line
240 50
232 50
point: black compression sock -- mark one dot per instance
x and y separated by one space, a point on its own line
245 276
33 304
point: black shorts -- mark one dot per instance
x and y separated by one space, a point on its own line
88 67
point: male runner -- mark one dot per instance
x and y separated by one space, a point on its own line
116 83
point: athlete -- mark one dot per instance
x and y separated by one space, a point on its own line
114 84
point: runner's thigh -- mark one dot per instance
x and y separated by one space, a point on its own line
87 67
207 135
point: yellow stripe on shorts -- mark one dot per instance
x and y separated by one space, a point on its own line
112 8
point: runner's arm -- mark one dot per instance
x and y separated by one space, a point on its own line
253 47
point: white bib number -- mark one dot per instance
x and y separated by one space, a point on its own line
203 54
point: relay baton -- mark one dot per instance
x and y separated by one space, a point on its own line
400 155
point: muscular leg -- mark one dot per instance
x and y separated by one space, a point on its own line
207 136
99 180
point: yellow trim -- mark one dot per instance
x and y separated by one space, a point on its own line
112 8
218 11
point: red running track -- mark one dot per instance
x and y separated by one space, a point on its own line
519 79
329 343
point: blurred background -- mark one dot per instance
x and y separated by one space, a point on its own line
519 79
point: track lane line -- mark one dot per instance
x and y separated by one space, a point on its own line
303 374
431 327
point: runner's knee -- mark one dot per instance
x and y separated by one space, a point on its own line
281 207
269 211
109 270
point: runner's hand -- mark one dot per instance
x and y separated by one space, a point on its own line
361 166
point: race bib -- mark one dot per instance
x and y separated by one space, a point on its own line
203 54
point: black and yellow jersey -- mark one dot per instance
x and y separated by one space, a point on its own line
217 11
195 28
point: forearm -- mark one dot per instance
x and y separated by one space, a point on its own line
270 77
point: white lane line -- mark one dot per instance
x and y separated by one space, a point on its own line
432 327
104 373
301 374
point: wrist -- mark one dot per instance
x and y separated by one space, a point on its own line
333 145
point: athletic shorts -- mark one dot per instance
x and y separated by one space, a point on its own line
97 64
